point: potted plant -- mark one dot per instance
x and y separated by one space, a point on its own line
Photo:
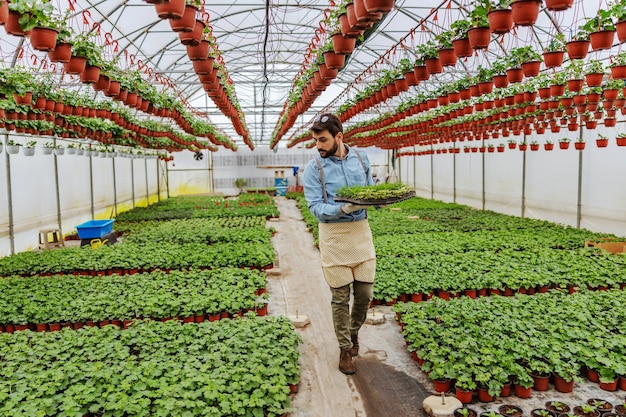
602 141
525 12
29 148
578 47
557 407
241 183
460 42
554 52
479 35
618 66
586 410
618 10
446 53
13 147
564 143
500 15
601 30
465 412
548 146
621 139
579 144
594 73
36 20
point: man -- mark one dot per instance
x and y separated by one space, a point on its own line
345 238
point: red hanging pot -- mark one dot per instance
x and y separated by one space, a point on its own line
363 15
12 25
199 51
479 37
531 69
462 48
187 22
334 60
577 49
558 5
447 57
114 88
514 75
103 83
553 59
525 12
172 9
76 65
4 11
90 74
618 72
379 6
203 66
602 39
620 27
62 52
343 45
43 39
433 65
500 21
594 79
193 37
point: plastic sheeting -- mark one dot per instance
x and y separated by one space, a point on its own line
547 188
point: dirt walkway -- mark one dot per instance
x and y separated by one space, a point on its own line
387 382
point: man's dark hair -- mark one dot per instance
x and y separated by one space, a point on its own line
327 121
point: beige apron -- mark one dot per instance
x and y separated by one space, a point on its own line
347 252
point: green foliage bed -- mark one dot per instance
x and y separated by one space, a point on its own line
227 368
156 295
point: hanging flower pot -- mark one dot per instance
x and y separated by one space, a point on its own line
363 15
43 38
421 72
534 147
462 48
76 65
602 39
610 122
500 81
618 72
514 75
433 65
193 37
90 74
553 59
327 73
558 5
577 49
620 27
12 25
485 87
479 37
172 9
575 85
447 57
525 12
620 140
103 83
203 66
579 145
4 11
346 29
500 21
62 52
594 79
602 142
343 45
334 60
114 88
531 68
548 146
379 6
187 22
199 51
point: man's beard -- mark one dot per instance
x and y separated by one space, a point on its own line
331 152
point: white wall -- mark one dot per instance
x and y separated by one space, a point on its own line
551 179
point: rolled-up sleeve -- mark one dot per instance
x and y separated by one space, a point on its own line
315 197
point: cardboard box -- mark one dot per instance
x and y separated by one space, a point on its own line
613 247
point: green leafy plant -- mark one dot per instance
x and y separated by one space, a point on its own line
34 13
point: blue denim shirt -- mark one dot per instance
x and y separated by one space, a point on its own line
337 173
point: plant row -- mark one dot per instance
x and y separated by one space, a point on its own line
197 231
503 270
246 205
147 256
493 341
157 295
242 367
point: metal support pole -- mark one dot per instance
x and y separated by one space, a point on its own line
132 178
158 180
483 176
432 173
579 207
524 182
454 175
7 158
56 187
114 190
167 179
414 167
145 161
93 212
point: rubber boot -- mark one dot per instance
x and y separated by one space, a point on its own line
345 362
355 345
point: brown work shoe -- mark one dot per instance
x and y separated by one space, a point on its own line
345 362
355 345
